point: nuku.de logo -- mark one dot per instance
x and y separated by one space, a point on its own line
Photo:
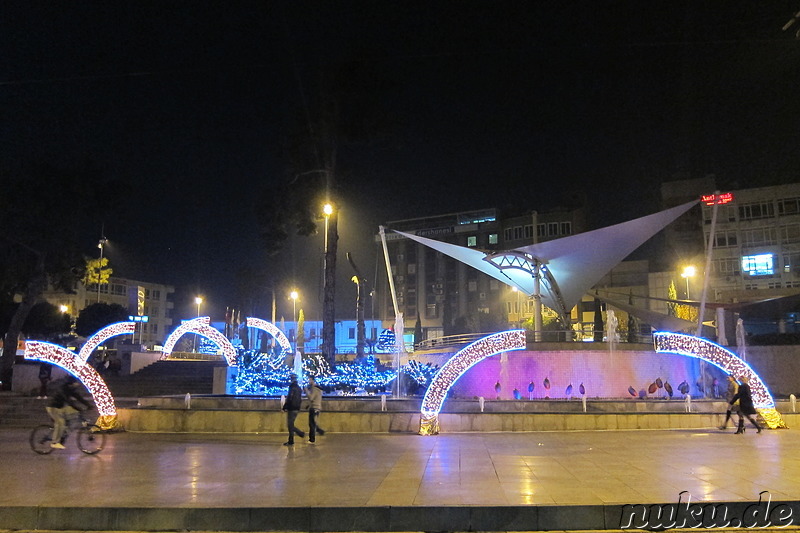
684 514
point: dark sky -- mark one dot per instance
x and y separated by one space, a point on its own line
481 104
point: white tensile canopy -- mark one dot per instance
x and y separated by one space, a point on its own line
569 266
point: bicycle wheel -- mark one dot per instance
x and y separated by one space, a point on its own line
40 439
91 439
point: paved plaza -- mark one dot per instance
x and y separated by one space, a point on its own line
388 482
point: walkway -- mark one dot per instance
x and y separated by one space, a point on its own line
373 482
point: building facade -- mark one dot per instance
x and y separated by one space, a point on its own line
140 298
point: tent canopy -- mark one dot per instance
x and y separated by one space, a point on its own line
575 263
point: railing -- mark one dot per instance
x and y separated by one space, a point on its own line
571 336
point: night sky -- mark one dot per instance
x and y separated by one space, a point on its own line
515 105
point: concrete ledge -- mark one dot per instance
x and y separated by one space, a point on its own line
377 519
230 421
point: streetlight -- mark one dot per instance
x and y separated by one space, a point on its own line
294 296
100 245
688 272
198 300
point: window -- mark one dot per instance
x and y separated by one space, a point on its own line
472 240
727 266
756 210
789 206
541 230
759 237
518 232
155 294
351 333
758 265
528 231
493 238
723 239
508 234
552 229
791 262
790 234
565 228
472 286
412 268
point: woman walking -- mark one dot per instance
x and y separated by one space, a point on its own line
746 407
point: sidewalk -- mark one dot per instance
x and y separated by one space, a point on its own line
373 482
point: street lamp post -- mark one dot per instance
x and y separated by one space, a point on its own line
294 296
100 245
197 300
688 272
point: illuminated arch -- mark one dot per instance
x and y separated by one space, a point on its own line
270 328
72 363
120 328
200 326
456 366
725 360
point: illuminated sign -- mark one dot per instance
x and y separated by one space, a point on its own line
720 199
136 318
758 265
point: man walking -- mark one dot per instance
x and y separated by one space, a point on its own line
314 394
292 408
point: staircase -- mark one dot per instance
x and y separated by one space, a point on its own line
165 378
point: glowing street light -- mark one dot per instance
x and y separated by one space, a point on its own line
197 300
688 272
64 308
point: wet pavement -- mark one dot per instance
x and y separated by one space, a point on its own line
390 482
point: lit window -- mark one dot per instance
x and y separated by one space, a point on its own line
472 240
493 238
758 265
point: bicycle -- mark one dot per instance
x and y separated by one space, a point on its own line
91 439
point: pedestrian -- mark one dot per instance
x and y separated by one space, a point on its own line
292 408
314 394
733 388
44 379
746 408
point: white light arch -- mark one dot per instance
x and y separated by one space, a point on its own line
200 326
270 328
725 360
456 366
120 328
72 363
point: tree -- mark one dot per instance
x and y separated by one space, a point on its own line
46 322
349 109
97 271
97 316
38 248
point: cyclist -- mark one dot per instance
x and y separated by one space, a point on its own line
65 401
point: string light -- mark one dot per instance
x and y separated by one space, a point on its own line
456 366
200 326
120 328
73 364
725 360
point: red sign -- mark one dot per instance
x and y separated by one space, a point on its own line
711 199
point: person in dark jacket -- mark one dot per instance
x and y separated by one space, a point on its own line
65 401
746 408
292 407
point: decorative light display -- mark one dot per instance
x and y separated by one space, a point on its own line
120 328
200 326
277 334
725 360
72 363
257 377
456 366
